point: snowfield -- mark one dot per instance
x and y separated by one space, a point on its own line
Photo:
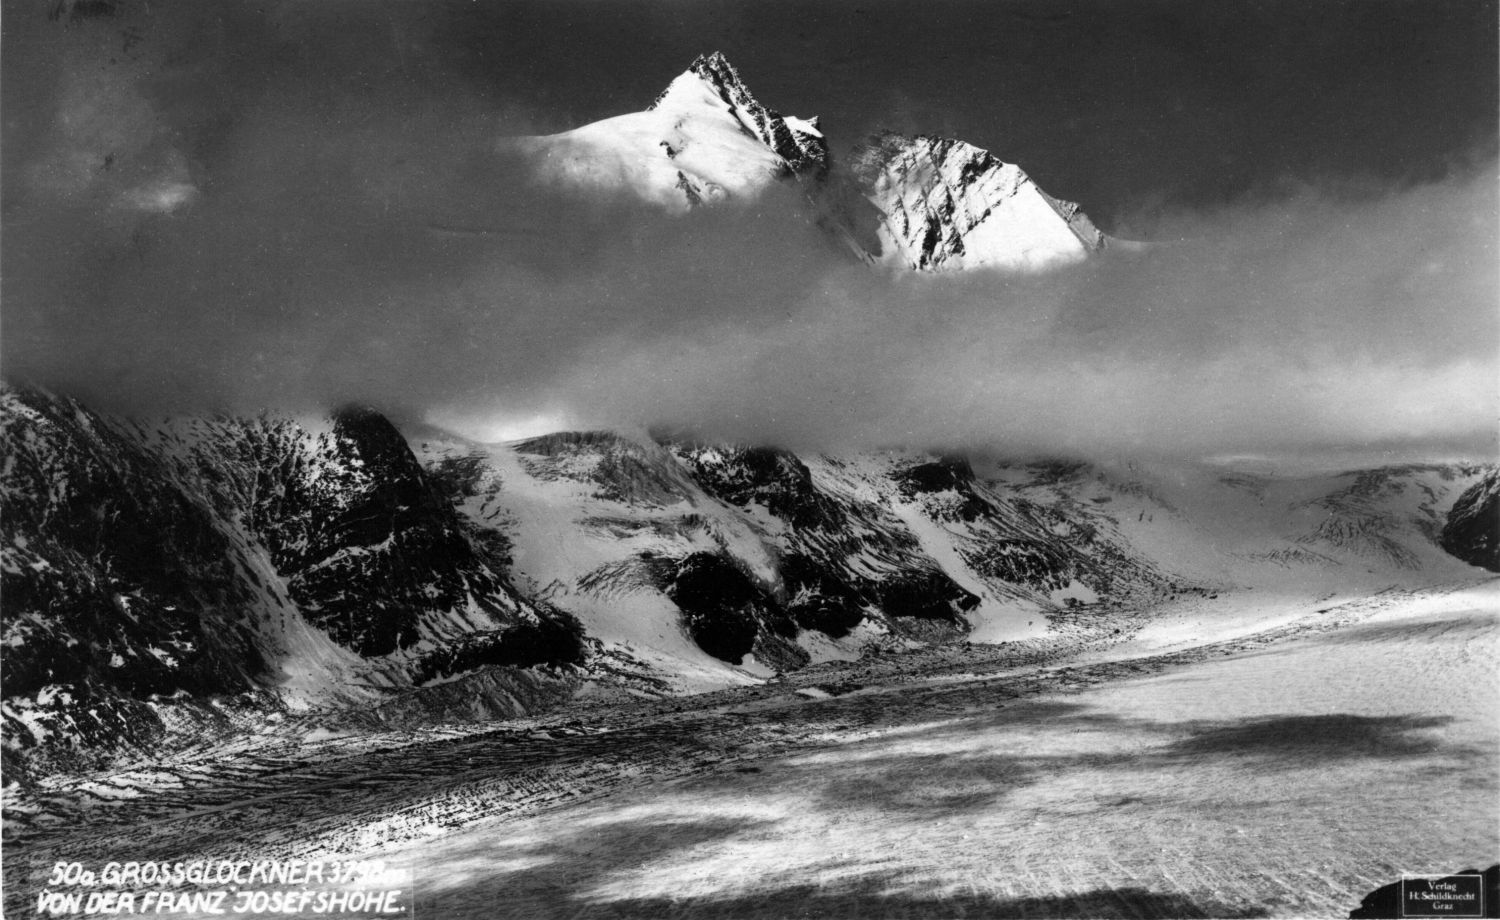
1283 778
1245 755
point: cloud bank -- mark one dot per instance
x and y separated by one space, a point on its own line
1296 324
322 247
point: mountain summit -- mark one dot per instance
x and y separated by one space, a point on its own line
921 203
798 141
705 140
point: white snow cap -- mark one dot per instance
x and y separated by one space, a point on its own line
705 139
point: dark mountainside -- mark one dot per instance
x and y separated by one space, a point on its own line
916 203
151 566
166 582
1473 529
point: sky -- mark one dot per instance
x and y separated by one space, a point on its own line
235 206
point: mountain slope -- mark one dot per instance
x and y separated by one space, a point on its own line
943 205
704 563
169 581
154 575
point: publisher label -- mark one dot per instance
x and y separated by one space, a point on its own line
1442 896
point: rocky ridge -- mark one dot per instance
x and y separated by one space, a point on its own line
171 581
798 141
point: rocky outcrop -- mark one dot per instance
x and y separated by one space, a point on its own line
775 479
728 614
846 557
1472 532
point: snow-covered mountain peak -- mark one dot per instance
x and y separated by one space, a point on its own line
799 141
920 202
706 139
946 204
712 72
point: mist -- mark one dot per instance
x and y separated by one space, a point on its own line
273 244
1291 325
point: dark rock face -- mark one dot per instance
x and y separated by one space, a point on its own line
557 639
845 559
724 610
118 587
774 478
820 598
937 476
110 561
929 595
370 544
950 474
1472 532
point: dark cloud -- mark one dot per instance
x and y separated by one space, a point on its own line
309 205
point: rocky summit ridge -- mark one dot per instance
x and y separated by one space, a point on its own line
798 141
